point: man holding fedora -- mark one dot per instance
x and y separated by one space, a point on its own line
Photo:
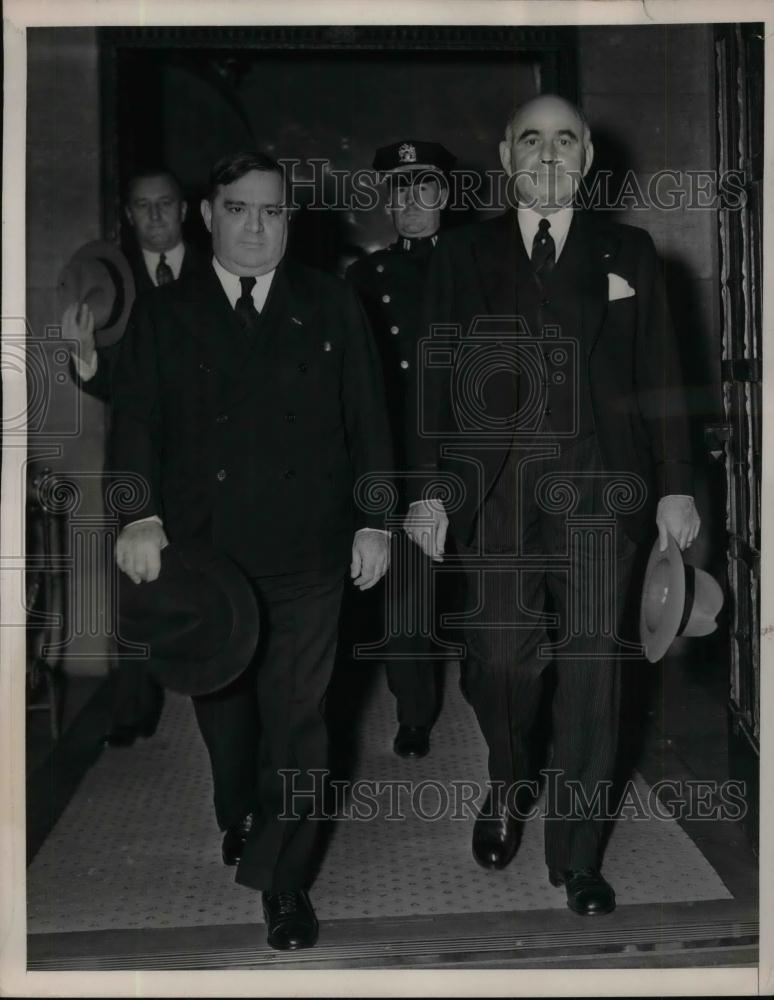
553 394
99 285
250 401
390 283
155 210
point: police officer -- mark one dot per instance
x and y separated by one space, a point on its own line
390 284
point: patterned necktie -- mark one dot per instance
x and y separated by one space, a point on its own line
245 307
543 250
164 275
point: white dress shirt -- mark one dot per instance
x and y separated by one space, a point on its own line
233 287
529 220
173 258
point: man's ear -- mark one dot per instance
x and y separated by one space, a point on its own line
207 213
505 156
588 158
128 215
183 210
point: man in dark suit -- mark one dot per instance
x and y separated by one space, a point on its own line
155 210
558 408
251 401
390 283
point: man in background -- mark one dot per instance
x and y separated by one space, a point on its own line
390 283
155 210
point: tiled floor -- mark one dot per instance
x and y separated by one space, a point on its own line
138 847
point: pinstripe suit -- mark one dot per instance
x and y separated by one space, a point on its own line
609 410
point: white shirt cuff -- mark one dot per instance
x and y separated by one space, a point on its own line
382 531
86 372
142 520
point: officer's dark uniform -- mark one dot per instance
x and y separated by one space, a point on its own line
390 283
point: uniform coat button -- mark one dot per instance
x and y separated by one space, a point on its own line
404 365
221 475
394 329
380 268
385 298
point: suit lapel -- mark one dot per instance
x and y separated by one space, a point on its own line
496 253
584 263
207 313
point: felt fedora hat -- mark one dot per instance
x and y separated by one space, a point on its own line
99 275
199 619
676 600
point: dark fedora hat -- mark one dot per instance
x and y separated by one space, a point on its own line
199 619
99 275
676 600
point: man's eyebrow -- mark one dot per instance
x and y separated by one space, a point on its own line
529 132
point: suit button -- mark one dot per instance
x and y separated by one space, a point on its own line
221 475
288 473
547 411
385 298
302 366
380 268
394 329
221 418
404 365
545 302
290 417
203 367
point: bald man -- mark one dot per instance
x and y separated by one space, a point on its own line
558 406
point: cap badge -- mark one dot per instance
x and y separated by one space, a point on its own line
407 153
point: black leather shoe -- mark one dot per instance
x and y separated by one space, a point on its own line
587 892
234 840
496 835
412 741
290 920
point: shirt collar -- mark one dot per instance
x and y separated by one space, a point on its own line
233 288
529 220
173 257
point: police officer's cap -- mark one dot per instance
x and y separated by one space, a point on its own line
411 159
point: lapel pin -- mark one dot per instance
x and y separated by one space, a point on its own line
327 345
296 320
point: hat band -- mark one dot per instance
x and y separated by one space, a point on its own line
690 593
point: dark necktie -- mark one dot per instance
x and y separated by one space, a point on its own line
164 275
245 307
543 250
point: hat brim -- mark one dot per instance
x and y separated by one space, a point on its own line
111 257
663 599
202 675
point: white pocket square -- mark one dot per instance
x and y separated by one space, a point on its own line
618 288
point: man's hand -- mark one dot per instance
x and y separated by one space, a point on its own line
78 325
370 558
138 550
426 524
678 516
